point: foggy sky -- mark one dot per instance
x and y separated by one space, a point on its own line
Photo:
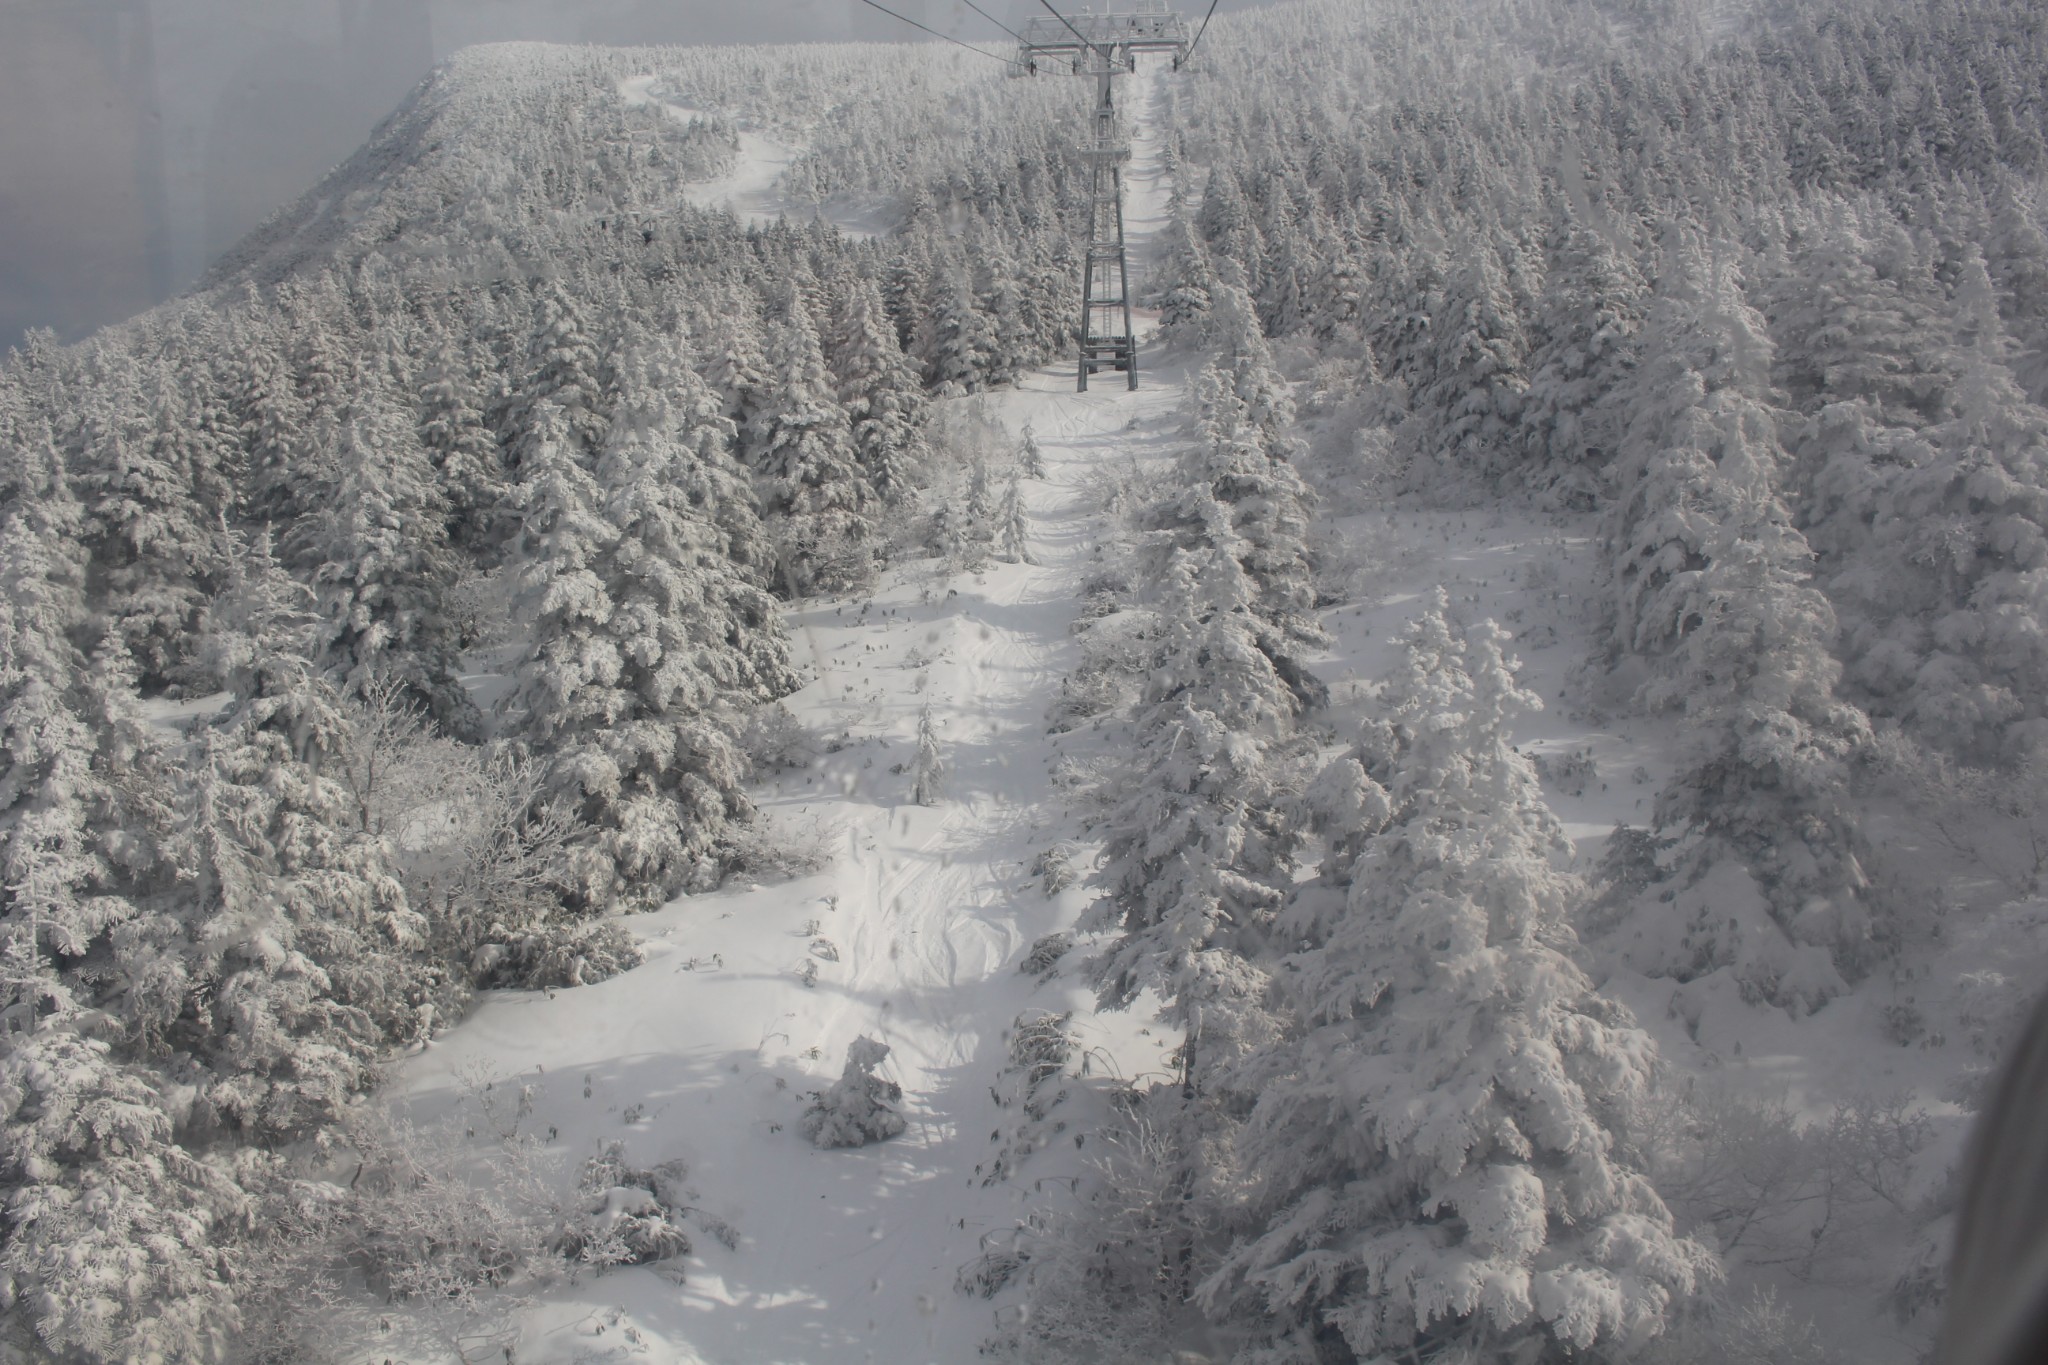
139 139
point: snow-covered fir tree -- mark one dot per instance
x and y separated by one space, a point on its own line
928 764
1437 1161
816 496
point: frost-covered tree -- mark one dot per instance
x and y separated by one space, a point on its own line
113 1231
153 548
1581 350
1235 466
928 765
1713 582
1186 284
1434 1161
1476 368
1198 843
376 553
878 386
814 493
563 370
956 339
1012 541
645 639
465 456
1966 542
859 1107
1030 458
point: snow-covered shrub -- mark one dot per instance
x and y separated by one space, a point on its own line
1757 1330
1045 954
1040 1048
985 1276
857 1109
770 849
1803 1196
774 740
452 1246
1569 773
555 955
629 1217
1108 1278
1054 868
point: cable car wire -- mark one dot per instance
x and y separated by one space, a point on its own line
935 33
1200 31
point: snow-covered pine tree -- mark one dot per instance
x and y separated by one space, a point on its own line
1186 285
858 1109
1581 349
2020 266
1012 542
1030 459
694 638
1713 582
152 547
1476 368
1967 536
113 1231
734 357
878 386
304 940
464 454
563 370
817 499
376 553
1233 464
955 339
1197 842
1433 1168
928 765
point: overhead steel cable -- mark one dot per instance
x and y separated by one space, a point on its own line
1200 31
935 33
993 20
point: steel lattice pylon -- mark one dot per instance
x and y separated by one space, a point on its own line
1104 46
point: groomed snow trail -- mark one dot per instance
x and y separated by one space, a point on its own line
752 190
915 929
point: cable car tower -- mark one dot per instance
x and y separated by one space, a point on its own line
1104 46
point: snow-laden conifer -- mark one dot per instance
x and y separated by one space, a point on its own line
1713 580
928 764
563 370
1435 1161
818 501
859 1107
1197 844
878 386
643 635
1582 346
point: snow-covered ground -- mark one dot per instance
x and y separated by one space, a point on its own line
913 931
916 929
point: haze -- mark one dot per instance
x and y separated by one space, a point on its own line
141 138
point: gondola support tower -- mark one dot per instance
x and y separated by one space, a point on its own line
1104 46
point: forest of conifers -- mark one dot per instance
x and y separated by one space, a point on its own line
382 621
